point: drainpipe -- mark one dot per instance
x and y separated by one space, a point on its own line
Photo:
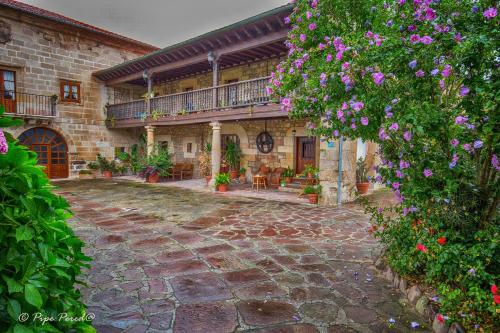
339 181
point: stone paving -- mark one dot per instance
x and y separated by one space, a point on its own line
173 260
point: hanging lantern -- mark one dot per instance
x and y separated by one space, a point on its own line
265 142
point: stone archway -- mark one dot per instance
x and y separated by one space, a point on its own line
51 148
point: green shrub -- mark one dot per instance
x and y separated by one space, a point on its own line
40 257
312 189
222 178
420 79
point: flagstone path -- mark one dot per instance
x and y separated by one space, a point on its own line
172 260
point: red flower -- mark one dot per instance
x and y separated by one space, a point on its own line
494 289
496 299
440 318
442 240
421 247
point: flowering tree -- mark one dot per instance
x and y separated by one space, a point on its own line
420 78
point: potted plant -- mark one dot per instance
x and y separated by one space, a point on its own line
232 158
85 174
93 167
288 174
362 183
222 181
312 192
242 175
107 168
310 171
205 162
156 165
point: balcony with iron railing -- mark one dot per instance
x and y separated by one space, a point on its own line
27 105
203 101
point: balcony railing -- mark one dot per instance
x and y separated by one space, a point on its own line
233 95
27 105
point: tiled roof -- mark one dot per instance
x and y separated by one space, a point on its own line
40 12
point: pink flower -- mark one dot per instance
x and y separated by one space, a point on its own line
329 57
407 135
454 142
490 13
446 71
4 147
312 26
420 73
339 55
394 127
494 289
440 318
302 38
378 78
309 15
427 172
464 91
430 14
364 121
415 38
357 106
426 40
421 247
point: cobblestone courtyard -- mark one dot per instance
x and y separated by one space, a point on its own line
168 259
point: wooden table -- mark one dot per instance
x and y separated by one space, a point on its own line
258 180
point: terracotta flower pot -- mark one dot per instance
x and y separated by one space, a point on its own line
243 179
362 187
288 180
313 198
154 178
223 188
107 174
234 174
207 178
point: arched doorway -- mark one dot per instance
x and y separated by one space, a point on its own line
51 148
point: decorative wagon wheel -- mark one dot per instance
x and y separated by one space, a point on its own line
265 142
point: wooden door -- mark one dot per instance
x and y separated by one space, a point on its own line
8 90
51 150
305 153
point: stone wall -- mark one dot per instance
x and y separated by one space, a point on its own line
42 53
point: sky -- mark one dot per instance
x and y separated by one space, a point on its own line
158 22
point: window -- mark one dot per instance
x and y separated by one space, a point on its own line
189 147
119 150
70 91
163 145
8 90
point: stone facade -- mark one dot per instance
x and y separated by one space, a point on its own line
41 53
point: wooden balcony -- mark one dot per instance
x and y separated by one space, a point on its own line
26 105
241 100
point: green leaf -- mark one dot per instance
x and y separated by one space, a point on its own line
22 329
12 285
24 233
32 296
14 309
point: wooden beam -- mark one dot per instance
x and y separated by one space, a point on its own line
239 47
249 35
259 31
269 26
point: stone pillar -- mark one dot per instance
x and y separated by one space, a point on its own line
215 81
216 152
150 130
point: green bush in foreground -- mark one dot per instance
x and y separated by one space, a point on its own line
40 257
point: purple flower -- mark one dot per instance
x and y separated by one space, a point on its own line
495 163
454 142
312 26
336 133
378 78
490 13
446 71
364 121
399 174
467 147
420 73
426 40
478 144
382 134
430 14
4 147
464 91
413 64
404 164
340 114
435 72
329 57
441 84
414 324
460 120
357 106
454 161
415 38
394 127
308 15
427 173
395 185
407 136
287 20
302 38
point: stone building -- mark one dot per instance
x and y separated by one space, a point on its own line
211 88
46 66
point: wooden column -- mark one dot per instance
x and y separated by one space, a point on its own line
216 152
150 130
215 81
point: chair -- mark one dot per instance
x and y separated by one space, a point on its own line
177 171
264 171
187 170
276 176
258 180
